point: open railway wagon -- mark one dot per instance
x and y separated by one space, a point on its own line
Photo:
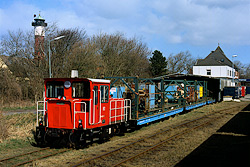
157 98
78 111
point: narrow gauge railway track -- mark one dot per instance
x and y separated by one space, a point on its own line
30 157
134 149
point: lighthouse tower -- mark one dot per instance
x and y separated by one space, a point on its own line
39 27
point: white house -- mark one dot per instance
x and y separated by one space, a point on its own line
217 65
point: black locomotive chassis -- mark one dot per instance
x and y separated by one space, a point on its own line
55 137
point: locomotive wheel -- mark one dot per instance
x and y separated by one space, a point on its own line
39 137
104 135
77 140
73 139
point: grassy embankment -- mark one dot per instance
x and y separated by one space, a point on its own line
16 127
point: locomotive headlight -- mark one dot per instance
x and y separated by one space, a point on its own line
59 97
40 121
80 123
67 84
64 98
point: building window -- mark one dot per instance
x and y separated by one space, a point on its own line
208 72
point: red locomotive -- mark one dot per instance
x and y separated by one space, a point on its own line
79 111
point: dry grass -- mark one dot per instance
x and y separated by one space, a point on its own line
167 157
17 105
21 125
4 133
16 128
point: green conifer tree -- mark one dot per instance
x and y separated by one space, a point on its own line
158 63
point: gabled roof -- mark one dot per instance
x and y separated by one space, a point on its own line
215 58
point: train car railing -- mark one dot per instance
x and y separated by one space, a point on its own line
80 112
38 111
125 109
127 105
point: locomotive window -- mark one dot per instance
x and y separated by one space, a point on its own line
80 90
54 89
104 94
95 94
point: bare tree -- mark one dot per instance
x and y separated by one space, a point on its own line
19 46
242 69
247 70
9 88
62 49
120 56
84 58
112 55
180 63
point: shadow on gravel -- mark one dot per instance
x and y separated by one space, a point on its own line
247 108
230 146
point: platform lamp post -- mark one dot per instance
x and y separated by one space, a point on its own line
233 68
50 53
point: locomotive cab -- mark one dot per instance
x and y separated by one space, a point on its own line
71 102
74 108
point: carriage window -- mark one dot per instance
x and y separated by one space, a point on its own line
104 94
80 90
54 89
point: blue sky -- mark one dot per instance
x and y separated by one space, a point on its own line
170 26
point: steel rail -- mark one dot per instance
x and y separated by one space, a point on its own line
163 142
170 138
147 137
29 161
168 129
23 154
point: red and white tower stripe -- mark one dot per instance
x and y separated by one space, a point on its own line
39 27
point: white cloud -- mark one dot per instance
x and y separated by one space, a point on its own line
196 22
222 3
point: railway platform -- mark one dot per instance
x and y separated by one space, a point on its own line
229 146
246 98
